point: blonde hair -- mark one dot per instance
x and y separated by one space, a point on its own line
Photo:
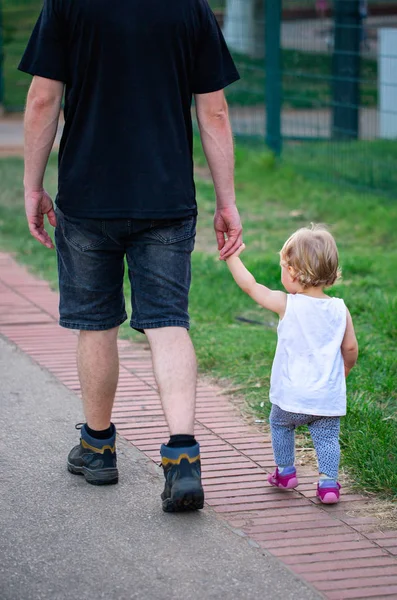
312 253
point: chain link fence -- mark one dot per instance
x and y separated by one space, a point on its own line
346 66
318 80
326 96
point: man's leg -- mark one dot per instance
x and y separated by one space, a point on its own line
159 270
98 365
91 270
175 369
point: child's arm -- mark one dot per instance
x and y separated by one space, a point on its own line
349 346
272 300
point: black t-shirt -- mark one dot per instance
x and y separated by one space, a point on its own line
130 69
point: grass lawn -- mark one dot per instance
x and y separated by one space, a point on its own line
274 200
364 164
19 17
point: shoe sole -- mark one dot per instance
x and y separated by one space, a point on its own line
188 502
184 499
292 483
104 477
329 498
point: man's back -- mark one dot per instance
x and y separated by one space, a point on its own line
130 72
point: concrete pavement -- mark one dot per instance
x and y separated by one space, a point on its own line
63 539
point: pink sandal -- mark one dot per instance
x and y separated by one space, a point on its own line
286 482
329 493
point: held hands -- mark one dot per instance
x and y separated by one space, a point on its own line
228 231
38 204
238 252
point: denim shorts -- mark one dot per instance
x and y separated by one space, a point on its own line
92 254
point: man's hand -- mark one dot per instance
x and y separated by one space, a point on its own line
38 204
228 231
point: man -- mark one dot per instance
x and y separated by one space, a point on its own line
126 189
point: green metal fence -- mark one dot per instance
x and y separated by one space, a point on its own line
319 80
349 133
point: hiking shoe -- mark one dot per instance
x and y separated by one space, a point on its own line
95 459
328 491
182 471
286 481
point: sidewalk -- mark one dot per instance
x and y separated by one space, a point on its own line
63 539
343 556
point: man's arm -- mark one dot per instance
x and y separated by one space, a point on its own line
217 140
41 122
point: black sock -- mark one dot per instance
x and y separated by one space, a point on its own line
181 441
104 434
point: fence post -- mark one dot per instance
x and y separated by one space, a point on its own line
273 74
1 60
387 82
346 69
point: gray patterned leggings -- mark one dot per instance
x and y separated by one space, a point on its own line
323 430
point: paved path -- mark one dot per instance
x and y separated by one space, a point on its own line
63 539
343 556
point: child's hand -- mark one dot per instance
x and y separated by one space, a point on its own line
237 253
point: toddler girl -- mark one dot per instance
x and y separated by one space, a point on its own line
316 349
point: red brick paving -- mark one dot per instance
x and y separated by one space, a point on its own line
327 546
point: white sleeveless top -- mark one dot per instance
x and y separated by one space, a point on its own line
308 374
